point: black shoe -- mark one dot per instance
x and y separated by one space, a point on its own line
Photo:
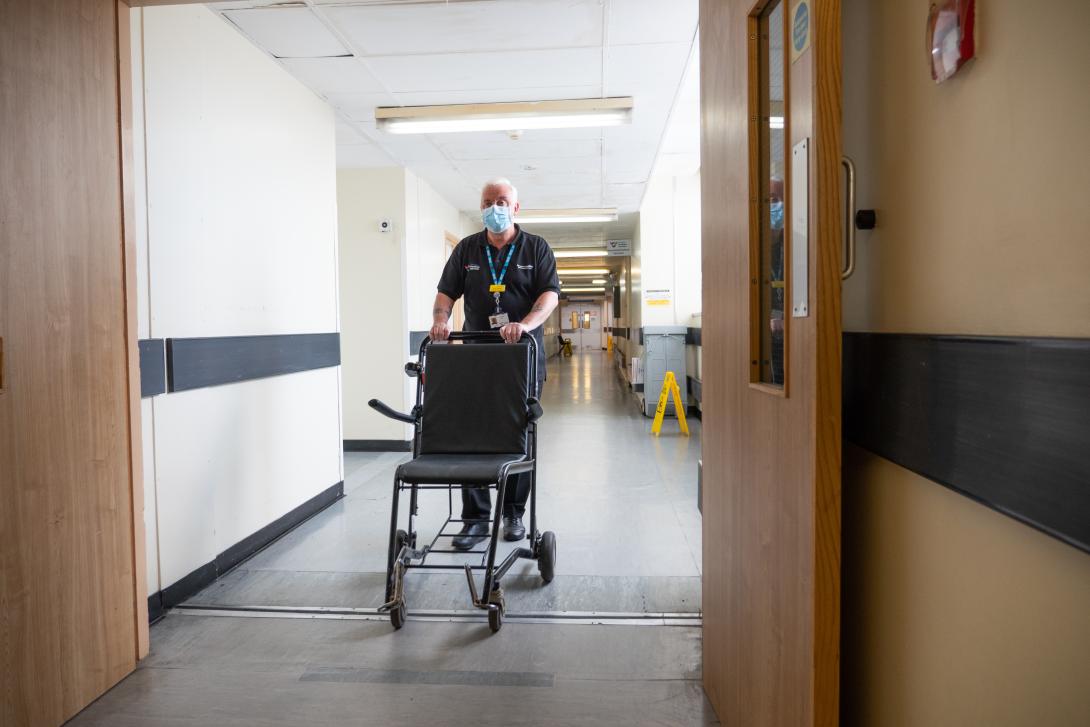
513 529
472 533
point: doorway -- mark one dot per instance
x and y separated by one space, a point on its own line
582 323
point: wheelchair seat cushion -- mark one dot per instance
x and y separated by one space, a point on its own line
469 469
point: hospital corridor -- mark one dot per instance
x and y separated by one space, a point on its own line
615 638
553 363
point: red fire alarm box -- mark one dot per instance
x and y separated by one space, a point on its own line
950 42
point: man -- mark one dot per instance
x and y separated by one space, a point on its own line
508 280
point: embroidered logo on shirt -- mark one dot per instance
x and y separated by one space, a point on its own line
473 266
525 267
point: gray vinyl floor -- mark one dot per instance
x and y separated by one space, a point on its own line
623 506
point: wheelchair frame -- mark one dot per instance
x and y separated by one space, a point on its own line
403 554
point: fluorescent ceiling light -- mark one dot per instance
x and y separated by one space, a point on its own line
583 271
584 290
539 217
599 281
579 253
519 116
775 122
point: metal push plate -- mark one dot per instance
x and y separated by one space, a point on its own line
800 221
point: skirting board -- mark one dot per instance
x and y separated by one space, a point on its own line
377 445
249 546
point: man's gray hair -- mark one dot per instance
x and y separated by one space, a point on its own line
501 182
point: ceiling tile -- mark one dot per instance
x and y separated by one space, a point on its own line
625 197
632 69
333 75
503 148
499 95
476 71
576 173
651 21
362 155
415 28
546 196
287 32
346 134
628 162
413 149
360 106
240 4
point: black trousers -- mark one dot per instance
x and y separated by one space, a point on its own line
477 501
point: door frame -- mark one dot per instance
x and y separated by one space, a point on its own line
128 254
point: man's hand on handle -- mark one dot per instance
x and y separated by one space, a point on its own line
440 317
440 331
512 332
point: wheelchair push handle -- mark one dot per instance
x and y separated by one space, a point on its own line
393 414
490 336
483 336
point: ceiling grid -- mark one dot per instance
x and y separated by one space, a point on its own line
359 54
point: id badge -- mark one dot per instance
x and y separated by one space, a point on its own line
499 320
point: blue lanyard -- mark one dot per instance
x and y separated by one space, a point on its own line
492 268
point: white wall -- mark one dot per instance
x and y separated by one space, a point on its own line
428 217
635 295
669 255
236 228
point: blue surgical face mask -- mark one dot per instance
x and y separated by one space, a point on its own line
497 218
777 215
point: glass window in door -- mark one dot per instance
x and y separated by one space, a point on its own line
768 252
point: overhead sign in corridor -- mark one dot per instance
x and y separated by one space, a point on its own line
619 248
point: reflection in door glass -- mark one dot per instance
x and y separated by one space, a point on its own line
772 169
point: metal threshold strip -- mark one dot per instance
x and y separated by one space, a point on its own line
571 618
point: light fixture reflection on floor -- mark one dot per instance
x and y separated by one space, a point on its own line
518 116
554 216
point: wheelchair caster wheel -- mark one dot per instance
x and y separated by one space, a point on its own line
495 618
546 556
397 615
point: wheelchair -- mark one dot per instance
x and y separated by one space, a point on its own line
475 425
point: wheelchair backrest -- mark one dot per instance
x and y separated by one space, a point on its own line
475 398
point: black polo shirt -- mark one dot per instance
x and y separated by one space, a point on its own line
532 272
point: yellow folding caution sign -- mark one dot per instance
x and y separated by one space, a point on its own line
669 386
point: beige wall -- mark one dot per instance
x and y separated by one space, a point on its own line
387 287
954 614
374 318
980 183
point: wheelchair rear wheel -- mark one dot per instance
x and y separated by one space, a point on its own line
495 618
398 615
546 556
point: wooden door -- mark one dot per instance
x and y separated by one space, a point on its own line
73 616
771 431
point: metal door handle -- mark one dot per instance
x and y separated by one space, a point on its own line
849 221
